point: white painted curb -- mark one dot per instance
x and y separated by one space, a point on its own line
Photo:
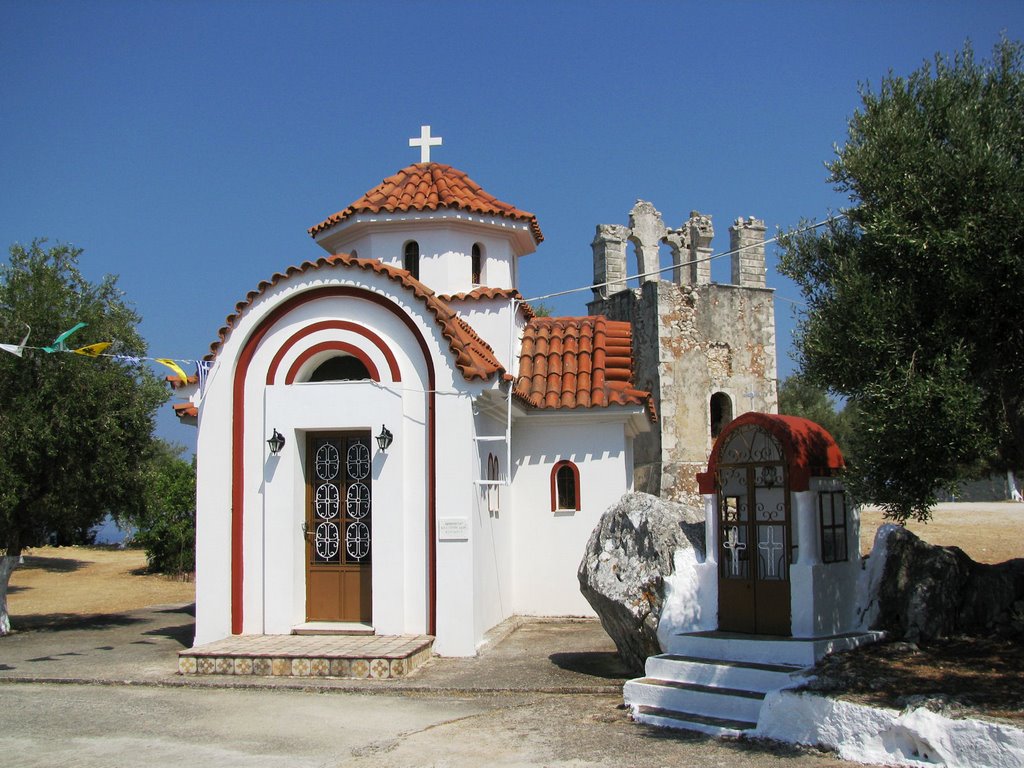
885 736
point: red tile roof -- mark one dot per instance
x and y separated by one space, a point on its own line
429 187
473 356
491 293
578 362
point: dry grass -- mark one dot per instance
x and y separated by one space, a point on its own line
74 581
989 532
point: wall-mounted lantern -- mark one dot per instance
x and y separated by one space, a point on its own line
276 443
385 438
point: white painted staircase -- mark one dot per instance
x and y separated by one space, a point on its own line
715 682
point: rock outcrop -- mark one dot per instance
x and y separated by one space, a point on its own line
927 592
628 556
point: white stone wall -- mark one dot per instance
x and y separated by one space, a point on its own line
446 244
549 545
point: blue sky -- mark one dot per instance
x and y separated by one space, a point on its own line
187 146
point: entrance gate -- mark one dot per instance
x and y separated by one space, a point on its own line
338 514
754 534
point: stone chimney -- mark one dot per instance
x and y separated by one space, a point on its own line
746 240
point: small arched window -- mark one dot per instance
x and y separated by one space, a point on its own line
341 368
411 259
477 260
565 486
721 413
493 491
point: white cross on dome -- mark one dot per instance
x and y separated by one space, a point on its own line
425 142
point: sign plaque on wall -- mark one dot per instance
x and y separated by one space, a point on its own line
453 528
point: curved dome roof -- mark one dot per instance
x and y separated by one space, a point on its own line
429 187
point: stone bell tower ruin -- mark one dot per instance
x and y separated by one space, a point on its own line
705 350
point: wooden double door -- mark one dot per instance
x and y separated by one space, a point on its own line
339 509
754 549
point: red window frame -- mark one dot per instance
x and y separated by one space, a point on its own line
555 506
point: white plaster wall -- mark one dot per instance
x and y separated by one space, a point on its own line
213 510
493 533
446 244
491 319
549 545
458 629
824 595
330 406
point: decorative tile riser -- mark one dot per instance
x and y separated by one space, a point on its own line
314 667
712 704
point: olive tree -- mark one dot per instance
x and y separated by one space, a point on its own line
75 430
915 298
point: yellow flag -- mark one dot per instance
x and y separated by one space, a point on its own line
174 367
93 350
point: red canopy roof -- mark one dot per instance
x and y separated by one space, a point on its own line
808 448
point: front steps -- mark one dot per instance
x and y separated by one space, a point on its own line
716 682
380 657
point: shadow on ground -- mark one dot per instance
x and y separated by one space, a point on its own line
603 664
52 564
62 622
182 634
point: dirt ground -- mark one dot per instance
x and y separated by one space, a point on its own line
57 583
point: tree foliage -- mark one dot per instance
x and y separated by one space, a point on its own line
166 529
916 297
800 397
76 431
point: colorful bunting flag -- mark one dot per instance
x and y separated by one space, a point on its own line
17 349
203 372
58 343
173 366
93 350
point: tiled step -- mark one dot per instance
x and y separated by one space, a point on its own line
710 701
691 721
348 656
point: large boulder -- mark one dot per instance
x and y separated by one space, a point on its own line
628 557
927 592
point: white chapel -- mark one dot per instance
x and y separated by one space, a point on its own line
390 440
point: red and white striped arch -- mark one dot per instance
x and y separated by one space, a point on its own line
311 345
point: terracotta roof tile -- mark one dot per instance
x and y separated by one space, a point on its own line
175 382
429 187
186 411
473 356
578 362
491 293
